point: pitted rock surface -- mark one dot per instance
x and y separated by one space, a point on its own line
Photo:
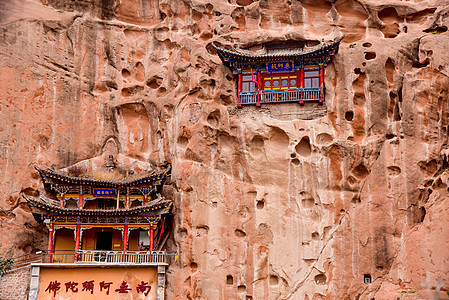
281 202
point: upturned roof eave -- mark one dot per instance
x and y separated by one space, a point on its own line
153 176
43 203
222 52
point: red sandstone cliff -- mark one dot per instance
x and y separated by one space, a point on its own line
282 202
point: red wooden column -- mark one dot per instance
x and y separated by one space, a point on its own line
81 199
240 83
301 82
62 200
125 239
77 238
51 243
258 88
321 85
151 237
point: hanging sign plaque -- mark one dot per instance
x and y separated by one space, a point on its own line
280 67
104 193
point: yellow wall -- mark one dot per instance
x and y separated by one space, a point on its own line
64 240
91 204
133 242
90 239
132 276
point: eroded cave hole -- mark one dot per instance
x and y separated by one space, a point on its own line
320 279
308 203
389 136
214 118
360 171
370 55
421 214
260 204
356 200
240 233
126 73
241 288
274 280
315 236
437 29
303 147
229 280
244 2
367 45
349 116
295 161
154 82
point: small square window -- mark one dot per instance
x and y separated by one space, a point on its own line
367 278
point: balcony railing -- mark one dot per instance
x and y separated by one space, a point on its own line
105 257
248 98
281 96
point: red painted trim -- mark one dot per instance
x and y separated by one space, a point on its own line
301 79
240 88
77 239
258 88
151 238
81 200
51 246
321 85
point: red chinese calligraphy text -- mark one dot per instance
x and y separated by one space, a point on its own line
88 286
105 286
124 288
142 287
71 285
53 286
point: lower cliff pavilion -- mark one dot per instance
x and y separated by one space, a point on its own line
108 220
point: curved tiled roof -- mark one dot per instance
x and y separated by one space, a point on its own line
57 175
276 53
52 206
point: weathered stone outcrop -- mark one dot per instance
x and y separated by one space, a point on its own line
282 202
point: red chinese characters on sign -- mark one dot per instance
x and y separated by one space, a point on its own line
53 286
142 287
71 285
124 288
104 286
88 286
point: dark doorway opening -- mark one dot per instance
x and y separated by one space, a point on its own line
104 240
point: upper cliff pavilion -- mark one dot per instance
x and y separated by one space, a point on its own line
279 72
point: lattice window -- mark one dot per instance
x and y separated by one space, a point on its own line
248 85
311 79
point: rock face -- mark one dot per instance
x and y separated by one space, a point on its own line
282 202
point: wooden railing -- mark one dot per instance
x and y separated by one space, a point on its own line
248 98
281 96
104 257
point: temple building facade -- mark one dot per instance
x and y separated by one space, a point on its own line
110 227
279 72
